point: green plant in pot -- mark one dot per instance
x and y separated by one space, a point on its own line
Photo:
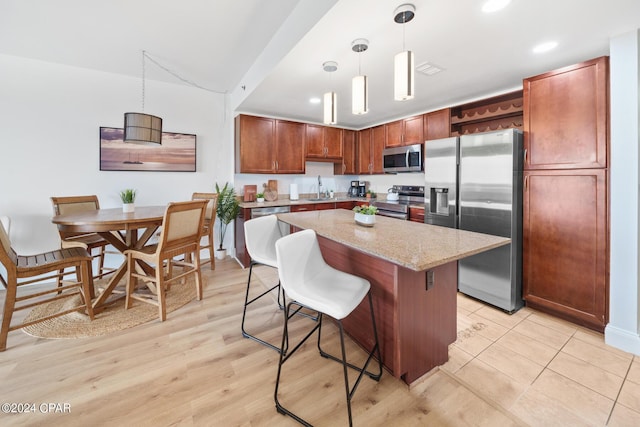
128 197
365 215
226 211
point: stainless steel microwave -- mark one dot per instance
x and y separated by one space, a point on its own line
402 159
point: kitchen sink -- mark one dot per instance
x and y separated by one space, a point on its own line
319 199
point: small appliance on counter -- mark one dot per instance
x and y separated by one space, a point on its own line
354 189
293 192
362 188
392 194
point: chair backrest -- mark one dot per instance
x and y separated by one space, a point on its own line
260 236
6 223
212 198
8 256
73 204
298 257
182 225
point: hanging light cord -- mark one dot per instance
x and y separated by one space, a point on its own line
174 74
144 54
403 34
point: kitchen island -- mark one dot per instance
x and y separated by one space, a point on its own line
413 273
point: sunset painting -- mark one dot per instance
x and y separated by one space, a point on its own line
177 153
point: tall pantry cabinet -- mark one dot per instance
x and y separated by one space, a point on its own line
566 209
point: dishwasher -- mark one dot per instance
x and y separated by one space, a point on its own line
258 212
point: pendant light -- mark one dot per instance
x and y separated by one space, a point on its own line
403 79
141 128
330 98
360 83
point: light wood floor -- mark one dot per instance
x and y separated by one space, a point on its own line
196 369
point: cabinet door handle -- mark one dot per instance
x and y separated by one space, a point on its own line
525 156
526 183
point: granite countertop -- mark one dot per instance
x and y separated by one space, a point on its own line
412 245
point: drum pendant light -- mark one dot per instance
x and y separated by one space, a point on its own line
330 98
403 79
360 83
141 128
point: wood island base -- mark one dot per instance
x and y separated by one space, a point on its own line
415 310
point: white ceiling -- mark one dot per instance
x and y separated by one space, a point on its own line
214 43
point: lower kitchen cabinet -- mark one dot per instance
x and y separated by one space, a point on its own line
416 214
565 244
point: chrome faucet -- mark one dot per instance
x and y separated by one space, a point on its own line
319 185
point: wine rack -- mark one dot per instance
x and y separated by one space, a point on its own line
500 112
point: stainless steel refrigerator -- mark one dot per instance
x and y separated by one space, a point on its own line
474 182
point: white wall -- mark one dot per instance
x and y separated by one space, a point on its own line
50 117
624 295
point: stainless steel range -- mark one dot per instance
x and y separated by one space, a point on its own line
407 195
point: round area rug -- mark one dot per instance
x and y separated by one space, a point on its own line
113 318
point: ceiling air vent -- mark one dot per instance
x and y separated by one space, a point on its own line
428 69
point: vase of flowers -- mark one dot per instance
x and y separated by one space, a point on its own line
365 215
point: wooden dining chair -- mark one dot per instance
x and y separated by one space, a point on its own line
90 241
209 224
154 265
39 269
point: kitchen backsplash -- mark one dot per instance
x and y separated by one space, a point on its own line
308 183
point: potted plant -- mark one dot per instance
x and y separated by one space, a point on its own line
365 215
260 197
128 197
226 211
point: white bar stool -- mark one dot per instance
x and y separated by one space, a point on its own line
311 283
260 236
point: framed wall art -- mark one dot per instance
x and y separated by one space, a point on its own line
177 153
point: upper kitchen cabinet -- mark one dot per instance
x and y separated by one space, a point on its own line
363 158
486 115
370 146
348 164
289 147
437 124
404 132
323 143
566 114
265 145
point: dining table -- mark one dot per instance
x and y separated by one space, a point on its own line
123 230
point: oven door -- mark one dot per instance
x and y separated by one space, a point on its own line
392 214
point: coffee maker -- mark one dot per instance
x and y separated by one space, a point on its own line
354 189
362 188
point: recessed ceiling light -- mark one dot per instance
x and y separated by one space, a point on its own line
494 5
315 100
545 47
